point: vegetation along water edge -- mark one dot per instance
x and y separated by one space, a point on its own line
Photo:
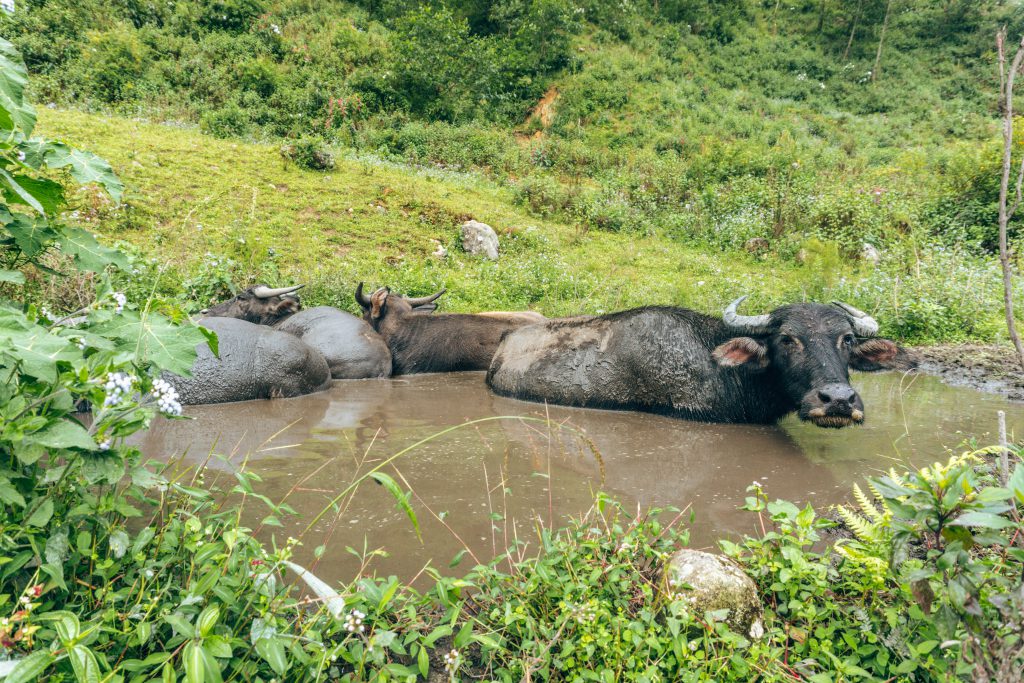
627 153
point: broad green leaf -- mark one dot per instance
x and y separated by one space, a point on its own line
31 234
153 338
37 350
272 651
41 515
13 276
1016 483
20 193
85 167
65 623
195 663
207 620
83 661
218 646
89 254
63 434
401 499
10 495
180 624
985 520
14 110
211 665
30 668
48 194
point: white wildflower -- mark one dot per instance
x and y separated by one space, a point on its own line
354 621
452 660
119 301
166 398
117 386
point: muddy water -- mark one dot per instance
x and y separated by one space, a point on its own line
490 482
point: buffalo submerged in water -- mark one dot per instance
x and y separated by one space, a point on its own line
352 348
679 362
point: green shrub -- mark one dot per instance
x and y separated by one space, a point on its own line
309 153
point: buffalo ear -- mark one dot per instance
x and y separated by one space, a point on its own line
742 351
378 303
287 306
881 354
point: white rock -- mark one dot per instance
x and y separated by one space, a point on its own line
716 583
870 254
479 239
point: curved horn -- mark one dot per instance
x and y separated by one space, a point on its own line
419 301
264 292
863 324
361 298
750 323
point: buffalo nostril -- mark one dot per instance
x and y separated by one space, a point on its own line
824 397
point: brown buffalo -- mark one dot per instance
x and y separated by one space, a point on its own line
445 342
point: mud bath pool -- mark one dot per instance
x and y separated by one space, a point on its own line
491 481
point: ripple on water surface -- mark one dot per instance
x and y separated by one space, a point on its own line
491 480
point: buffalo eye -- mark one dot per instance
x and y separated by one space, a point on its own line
790 342
848 340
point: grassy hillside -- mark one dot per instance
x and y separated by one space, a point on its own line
202 213
627 151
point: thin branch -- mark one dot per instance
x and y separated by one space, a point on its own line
1006 78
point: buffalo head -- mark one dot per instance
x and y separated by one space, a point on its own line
382 304
810 348
260 304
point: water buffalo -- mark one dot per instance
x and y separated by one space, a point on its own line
686 364
255 361
260 304
446 342
352 349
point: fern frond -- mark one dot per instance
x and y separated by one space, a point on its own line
867 505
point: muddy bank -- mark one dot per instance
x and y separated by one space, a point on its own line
986 367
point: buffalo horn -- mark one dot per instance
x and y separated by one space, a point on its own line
361 298
863 324
420 301
264 292
750 323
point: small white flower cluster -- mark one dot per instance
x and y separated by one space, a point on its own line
166 398
119 301
583 613
354 621
104 445
7 6
44 312
275 28
452 660
119 384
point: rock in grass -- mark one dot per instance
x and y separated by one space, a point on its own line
479 239
708 583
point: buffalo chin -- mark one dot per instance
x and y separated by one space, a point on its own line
833 421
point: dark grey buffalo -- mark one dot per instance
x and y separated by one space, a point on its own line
352 349
683 363
255 361
260 304
445 342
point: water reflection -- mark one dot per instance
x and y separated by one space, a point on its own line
488 483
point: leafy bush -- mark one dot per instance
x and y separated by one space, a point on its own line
309 153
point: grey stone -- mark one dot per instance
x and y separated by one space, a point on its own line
707 582
479 239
